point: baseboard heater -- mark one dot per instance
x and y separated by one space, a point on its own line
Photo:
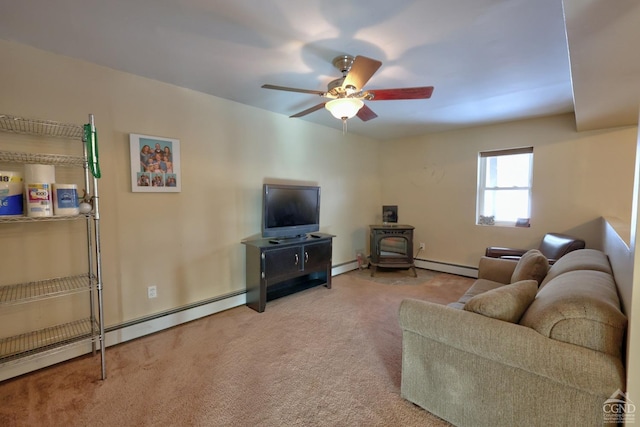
138 328
157 322
443 267
127 331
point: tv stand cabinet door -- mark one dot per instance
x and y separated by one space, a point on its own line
317 255
282 262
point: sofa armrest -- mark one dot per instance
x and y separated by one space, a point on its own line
499 252
513 345
496 269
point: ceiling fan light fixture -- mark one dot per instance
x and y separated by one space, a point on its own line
344 108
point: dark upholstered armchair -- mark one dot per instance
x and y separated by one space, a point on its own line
553 246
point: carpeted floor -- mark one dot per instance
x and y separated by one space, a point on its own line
321 357
394 276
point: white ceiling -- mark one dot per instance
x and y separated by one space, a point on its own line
489 60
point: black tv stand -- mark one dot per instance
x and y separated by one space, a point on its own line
291 265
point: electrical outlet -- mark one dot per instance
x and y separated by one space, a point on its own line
152 291
421 245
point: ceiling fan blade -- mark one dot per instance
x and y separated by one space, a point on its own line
309 110
292 89
361 71
423 92
366 113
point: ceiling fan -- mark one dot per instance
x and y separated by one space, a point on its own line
347 93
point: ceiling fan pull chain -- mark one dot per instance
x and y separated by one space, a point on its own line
344 125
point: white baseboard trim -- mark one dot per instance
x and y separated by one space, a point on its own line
157 324
119 335
17 368
138 329
442 267
344 268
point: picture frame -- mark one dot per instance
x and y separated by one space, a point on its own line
155 164
389 214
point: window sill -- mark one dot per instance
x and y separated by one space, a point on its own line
504 224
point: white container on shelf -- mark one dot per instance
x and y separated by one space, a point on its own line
11 193
65 199
39 173
38 199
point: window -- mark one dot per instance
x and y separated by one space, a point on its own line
504 186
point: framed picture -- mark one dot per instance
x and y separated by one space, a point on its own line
155 164
389 214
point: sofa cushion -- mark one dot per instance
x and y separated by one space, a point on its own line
506 303
533 265
582 259
582 308
478 287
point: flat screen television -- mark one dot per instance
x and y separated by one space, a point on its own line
290 211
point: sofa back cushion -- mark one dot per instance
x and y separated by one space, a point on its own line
582 308
582 259
531 266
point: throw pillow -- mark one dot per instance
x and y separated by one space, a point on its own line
508 302
531 266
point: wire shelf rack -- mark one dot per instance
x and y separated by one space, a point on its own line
56 338
43 289
46 340
9 123
22 218
46 159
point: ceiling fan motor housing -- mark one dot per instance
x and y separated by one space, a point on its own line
343 63
335 87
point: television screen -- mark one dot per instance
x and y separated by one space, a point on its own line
290 210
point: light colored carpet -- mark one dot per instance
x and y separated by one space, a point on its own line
321 357
395 276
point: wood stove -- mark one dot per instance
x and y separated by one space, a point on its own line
391 246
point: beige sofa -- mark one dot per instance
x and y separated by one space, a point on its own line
512 353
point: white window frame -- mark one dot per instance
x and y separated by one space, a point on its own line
483 160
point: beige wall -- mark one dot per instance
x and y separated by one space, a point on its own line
633 338
187 244
577 178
